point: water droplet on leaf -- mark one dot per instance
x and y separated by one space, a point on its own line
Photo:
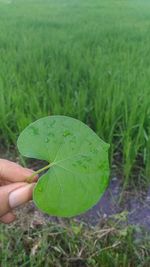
40 189
47 140
50 134
34 130
66 133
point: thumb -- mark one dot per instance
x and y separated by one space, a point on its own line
14 195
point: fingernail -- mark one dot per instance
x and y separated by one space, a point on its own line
20 195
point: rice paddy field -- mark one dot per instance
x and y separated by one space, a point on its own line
89 60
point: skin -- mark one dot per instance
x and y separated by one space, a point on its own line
14 190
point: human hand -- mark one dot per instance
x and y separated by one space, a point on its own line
14 190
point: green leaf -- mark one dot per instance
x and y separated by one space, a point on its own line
79 169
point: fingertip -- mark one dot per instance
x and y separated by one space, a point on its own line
8 218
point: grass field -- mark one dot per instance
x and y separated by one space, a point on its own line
74 245
86 59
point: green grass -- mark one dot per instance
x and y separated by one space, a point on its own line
86 59
74 244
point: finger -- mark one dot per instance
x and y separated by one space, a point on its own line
2 182
13 172
14 195
8 218
4 196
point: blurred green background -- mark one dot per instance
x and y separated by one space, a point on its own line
85 59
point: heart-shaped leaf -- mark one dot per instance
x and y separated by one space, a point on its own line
78 171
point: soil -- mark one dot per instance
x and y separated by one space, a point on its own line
135 205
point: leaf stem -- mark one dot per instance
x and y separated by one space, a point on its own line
30 178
